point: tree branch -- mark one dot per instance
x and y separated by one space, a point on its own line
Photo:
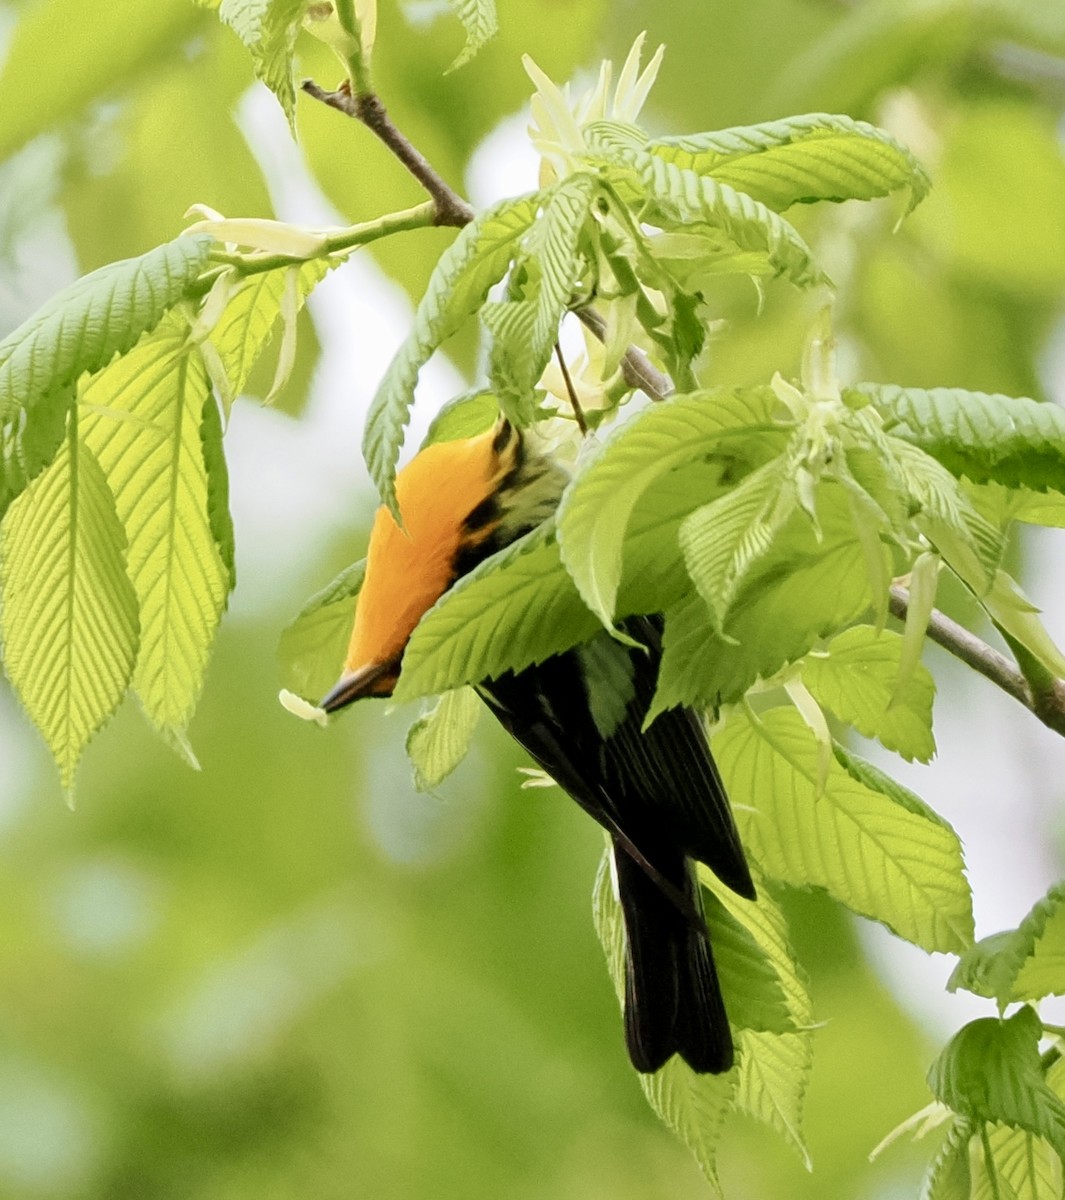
367 108
635 365
1047 703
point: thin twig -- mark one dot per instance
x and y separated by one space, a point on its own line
635 365
575 404
367 108
1048 705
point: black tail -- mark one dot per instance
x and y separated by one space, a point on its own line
673 1003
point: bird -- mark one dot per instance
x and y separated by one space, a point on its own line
580 715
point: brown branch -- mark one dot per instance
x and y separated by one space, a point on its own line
367 108
1047 703
635 365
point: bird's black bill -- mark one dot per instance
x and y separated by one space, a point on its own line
374 680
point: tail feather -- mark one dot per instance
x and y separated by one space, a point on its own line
673 1002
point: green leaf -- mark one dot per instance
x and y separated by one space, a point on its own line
143 420
754 996
1025 1167
1026 963
477 259
855 678
805 590
693 1106
872 777
875 856
608 677
29 445
481 24
774 1068
987 438
596 509
516 608
69 617
439 740
525 329
464 417
314 644
1017 618
724 540
680 197
800 160
990 1072
86 324
268 28
948 1176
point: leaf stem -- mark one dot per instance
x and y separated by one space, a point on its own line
422 216
575 404
1047 703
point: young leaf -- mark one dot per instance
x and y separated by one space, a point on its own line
990 1072
464 417
86 324
1026 963
724 540
987 438
526 329
1018 618
800 160
806 589
481 24
172 517
693 1106
313 645
877 857
438 741
477 259
268 28
948 1176
69 616
27 446
680 197
855 678
595 510
214 464
1025 1166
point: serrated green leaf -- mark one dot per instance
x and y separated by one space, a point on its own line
872 777
693 1106
987 438
313 645
754 996
479 19
1025 1167
438 741
29 445
725 539
990 1072
525 329
86 324
464 417
595 511
69 616
1026 963
143 418
477 259
800 160
680 197
872 854
516 608
774 1068
268 28
948 1176
855 678
807 589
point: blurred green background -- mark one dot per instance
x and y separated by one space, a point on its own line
289 975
